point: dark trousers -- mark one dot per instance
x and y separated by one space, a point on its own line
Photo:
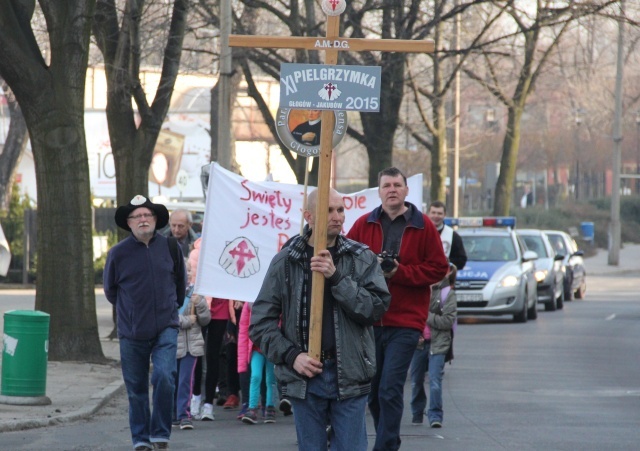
215 334
394 350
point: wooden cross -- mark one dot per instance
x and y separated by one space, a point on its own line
326 133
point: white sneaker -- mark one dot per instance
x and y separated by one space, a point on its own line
196 404
207 413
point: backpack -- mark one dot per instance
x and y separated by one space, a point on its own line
178 272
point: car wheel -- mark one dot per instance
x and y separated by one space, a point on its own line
568 294
551 305
560 300
521 317
582 289
532 313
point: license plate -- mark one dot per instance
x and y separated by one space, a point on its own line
468 297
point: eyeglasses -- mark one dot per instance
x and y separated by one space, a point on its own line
142 216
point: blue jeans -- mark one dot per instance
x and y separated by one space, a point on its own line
436 369
147 427
322 407
419 367
394 350
184 387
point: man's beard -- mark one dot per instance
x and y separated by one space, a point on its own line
143 235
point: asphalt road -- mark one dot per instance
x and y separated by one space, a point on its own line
567 381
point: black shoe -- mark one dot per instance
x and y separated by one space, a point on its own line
436 424
417 420
285 407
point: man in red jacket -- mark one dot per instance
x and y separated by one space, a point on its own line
410 253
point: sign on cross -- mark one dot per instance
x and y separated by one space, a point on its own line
331 45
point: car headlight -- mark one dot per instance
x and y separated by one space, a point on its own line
509 281
541 274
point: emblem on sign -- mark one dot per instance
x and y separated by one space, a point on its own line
329 92
299 130
240 258
333 7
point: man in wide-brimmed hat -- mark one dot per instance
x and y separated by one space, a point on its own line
142 279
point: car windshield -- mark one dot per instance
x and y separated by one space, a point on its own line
489 248
534 243
558 244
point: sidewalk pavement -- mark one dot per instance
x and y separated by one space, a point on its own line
78 390
628 262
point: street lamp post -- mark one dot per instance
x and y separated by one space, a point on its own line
578 119
638 151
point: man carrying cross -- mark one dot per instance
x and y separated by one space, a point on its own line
334 387
331 45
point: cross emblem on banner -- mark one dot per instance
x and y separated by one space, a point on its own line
243 253
333 9
329 88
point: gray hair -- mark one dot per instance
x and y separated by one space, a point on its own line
186 212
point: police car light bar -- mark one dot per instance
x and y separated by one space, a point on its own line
479 221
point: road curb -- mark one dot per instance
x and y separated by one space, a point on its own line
95 403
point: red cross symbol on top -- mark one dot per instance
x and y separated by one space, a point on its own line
242 254
334 4
330 87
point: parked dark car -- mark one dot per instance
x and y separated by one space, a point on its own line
575 279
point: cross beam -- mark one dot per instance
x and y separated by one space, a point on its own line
340 44
331 45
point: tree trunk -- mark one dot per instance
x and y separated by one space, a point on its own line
439 152
65 277
214 122
14 145
133 141
51 97
508 162
379 128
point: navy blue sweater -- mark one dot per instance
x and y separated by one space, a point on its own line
139 281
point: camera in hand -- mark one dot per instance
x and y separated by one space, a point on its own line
387 264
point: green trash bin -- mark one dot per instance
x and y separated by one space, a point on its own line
25 353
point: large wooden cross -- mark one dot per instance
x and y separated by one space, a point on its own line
326 133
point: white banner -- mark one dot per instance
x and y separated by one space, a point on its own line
246 223
5 254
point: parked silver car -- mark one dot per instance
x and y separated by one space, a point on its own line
549 272
575 278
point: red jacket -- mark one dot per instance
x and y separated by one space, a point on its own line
421 264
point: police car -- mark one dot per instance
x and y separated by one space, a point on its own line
498 278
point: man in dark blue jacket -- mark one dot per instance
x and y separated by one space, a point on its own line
141 278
